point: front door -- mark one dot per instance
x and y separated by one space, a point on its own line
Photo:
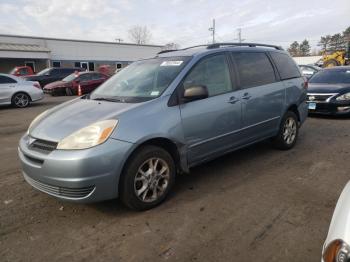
210 125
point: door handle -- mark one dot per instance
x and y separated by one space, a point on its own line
246 96
233 100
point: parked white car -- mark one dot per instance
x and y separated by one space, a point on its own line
337 245
18 92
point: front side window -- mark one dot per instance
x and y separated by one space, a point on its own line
212 72
142 80
254 69
285 66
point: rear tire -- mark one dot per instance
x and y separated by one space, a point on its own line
147 178
288 133
331 63
20 100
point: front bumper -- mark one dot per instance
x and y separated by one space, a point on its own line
82 176
331 108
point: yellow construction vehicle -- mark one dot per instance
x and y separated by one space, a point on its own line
337 58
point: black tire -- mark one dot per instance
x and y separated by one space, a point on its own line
128 186
69 91
331 63
20 100
283 141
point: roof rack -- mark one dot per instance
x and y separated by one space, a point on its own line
217 45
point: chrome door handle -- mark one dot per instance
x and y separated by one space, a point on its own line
233 100
246 96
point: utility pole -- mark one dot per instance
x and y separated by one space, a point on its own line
212 29
240 40
119 40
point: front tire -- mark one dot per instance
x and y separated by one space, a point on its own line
288 132
20 100
147 178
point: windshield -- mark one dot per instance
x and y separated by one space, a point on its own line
331 77
141 81
43 72
69 78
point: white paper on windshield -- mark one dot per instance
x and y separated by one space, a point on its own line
171 63
155 93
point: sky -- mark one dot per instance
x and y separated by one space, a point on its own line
184 22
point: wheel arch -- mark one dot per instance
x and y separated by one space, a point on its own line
21 92
167 144
294 108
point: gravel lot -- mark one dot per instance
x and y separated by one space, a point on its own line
257 204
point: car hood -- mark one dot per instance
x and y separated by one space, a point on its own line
328 88
57 84
66 118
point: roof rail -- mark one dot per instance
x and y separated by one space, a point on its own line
217 45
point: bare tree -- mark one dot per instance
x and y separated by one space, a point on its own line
171 46
140 34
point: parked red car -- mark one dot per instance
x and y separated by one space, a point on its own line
22 71
88 81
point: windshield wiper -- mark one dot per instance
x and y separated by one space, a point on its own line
109 99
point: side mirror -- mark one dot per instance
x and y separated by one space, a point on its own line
195 93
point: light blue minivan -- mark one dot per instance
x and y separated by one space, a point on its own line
160 117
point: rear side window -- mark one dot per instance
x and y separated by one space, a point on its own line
254 69
285 66
6 80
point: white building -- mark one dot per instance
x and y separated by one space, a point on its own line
307 60
42 52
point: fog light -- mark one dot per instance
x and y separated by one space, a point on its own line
343 108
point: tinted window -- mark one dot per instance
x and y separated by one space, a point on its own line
55 72
6 80
254 69
285 66
85 77
212 72
97 76
331 76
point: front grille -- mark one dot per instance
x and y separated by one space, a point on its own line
74 193
43 146
318 97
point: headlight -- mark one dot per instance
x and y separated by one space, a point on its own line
89 136
36 120
337 251
343 97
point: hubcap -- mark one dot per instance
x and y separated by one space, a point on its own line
21 100
289 130
152 179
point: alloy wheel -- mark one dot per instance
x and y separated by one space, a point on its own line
152 179
21 100
289 130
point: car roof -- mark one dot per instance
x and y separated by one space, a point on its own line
337 68
202 49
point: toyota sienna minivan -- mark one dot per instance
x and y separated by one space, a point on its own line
159 117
